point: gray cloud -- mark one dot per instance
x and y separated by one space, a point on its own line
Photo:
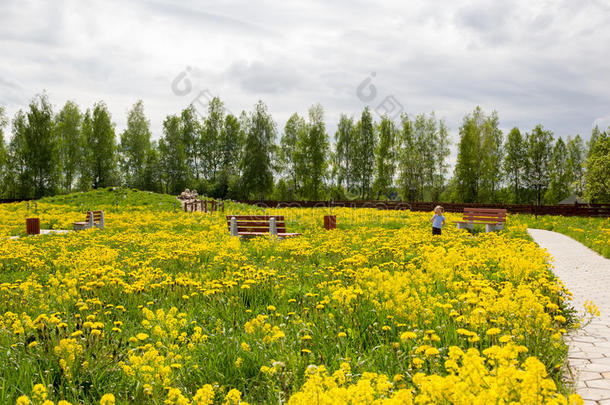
262 78
531 61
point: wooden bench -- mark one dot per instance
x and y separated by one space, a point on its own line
492 218
258 225
94 218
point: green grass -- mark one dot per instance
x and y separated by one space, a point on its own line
593 232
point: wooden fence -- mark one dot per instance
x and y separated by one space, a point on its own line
584 210
204 206
13 200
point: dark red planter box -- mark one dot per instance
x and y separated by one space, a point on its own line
330 222
32 226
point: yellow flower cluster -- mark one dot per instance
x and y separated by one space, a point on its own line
494 377
67 351
40 395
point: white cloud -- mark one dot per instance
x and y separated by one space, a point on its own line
602 123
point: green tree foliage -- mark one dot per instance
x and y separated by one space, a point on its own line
256 164
595 134
539 155
575 165
38 150
422 157
173 157
409 162
598 170
432 140
152 176
424 132
480 155
210 139
559 184
18 180
190 140
292 155
514 162
225 156
68 127
385 156
85 179
314 148
134 147
441 154
491 158
3 152
345 151
230 144
364 153
101 148
468 166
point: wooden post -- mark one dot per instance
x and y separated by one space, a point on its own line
32 226
330 222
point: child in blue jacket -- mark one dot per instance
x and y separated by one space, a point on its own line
438 220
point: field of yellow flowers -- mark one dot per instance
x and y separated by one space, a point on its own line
164 307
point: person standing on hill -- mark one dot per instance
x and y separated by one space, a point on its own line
438 220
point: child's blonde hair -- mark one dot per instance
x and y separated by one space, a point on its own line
438 210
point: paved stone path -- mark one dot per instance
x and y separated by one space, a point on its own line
587 275
47 232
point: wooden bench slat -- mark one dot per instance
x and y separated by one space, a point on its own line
257 223
484 219
256 217
477 222
283 234
498 210
483 214
250 229
266 226
501 214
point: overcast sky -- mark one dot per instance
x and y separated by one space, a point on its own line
533 61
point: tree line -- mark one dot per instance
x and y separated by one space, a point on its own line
247 157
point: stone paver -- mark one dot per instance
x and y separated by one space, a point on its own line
46 232
587 275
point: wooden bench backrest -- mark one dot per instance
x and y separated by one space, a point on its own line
97 216
256 223
485 214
